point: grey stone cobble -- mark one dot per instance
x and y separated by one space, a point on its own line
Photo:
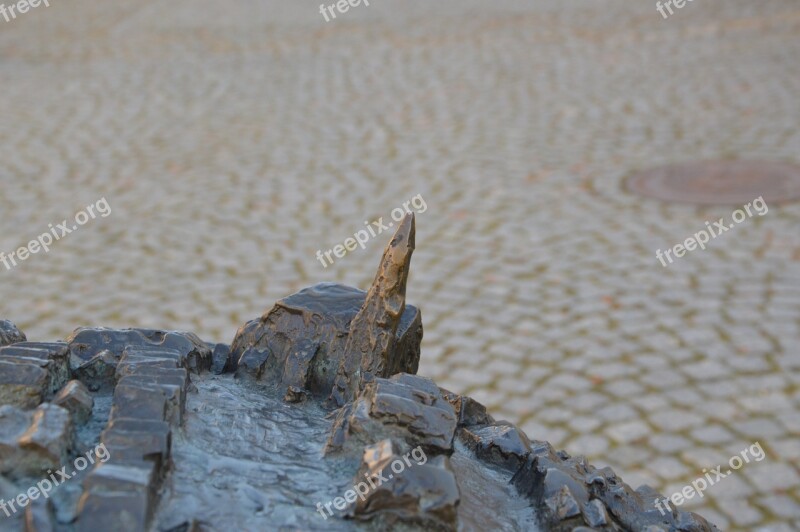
232 143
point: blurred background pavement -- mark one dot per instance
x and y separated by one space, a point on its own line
233 140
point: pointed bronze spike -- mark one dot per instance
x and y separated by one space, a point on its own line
372 336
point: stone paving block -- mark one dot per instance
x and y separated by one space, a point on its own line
736 486
624 388
762 428
705 457
628 432
668 467
748 363
718 409
616 412
781 505
769 477
712 434
554 415
675 420
468 376
652 403
788 448
586 403
666 380
589 444
632 455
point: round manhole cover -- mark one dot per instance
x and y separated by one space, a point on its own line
719 182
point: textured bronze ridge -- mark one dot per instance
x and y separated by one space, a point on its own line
370 344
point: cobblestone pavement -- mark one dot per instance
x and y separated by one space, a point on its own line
234 140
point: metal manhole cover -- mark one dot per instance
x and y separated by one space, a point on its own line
719 182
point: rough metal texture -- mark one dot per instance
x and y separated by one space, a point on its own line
32 372
87 343
76 398
370 349
174 412
571 492
427 497
9 334
404 406
33 442
324 338
301 340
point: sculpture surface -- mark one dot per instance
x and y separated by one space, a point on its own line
315 401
